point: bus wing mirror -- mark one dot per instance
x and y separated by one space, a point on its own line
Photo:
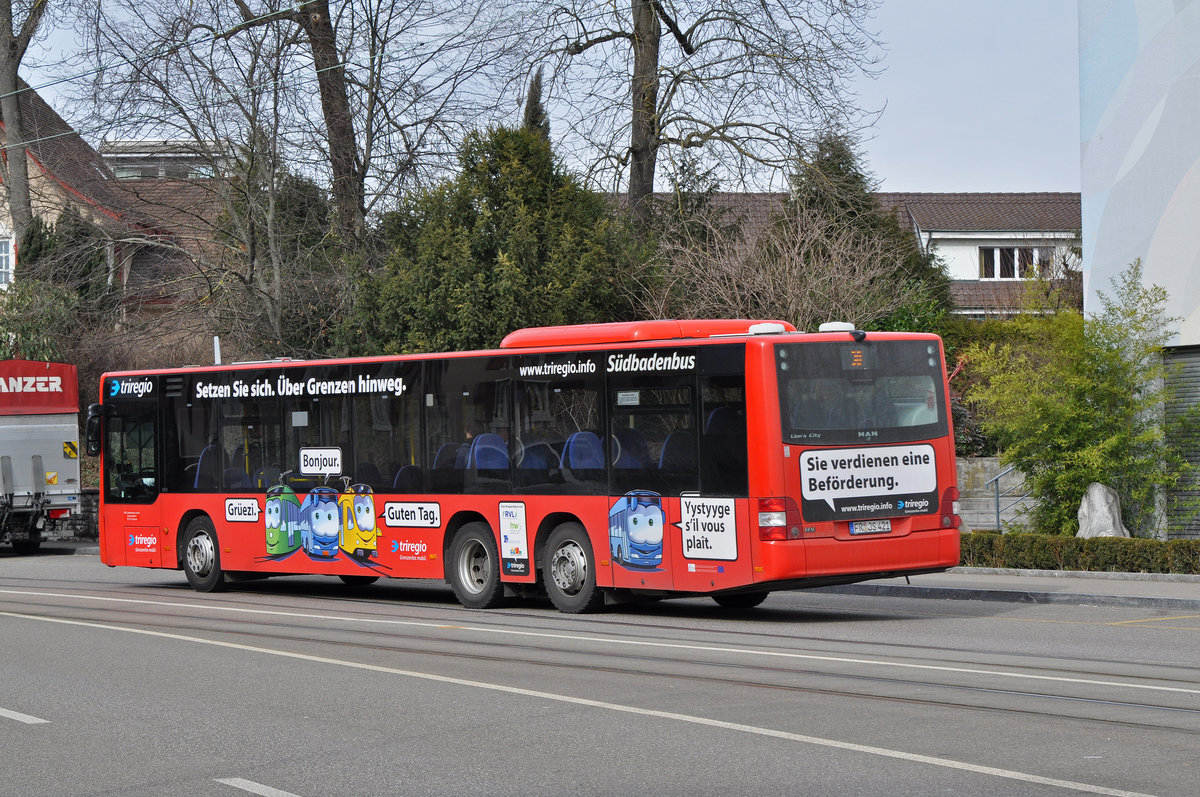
94 430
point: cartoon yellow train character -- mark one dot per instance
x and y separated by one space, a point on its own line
359 535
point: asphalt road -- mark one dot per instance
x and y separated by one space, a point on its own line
125 682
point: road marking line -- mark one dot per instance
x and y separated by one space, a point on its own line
628 642
946 763
1155 619
19 717
254 788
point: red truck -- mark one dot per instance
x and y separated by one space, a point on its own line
39 449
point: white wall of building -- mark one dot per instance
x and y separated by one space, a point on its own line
960 251
1139 73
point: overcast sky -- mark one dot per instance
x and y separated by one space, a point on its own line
980 95
977 95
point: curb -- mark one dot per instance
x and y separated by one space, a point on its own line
1014 596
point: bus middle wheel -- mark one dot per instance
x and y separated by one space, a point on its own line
474 567
569 571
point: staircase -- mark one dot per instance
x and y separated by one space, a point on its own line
978 478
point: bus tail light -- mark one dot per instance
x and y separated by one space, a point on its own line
950 516
778 519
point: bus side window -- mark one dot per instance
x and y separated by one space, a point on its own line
558 445
723 444
467 417
653 434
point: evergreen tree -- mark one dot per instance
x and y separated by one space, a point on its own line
1079 400
831 182
536 119
513 241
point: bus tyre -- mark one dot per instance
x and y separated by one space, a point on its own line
474 567
202 556
741 600
358 581
569 571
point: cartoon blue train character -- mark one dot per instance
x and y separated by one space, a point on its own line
283 521
322 522
359 535
635 529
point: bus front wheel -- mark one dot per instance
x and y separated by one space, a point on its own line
475 567
202 557
569 571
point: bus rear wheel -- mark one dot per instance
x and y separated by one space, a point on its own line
202 556
474 567
569 571
741 600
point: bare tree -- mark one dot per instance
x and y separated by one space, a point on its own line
806 266
361 102
396 83
747 82
18 25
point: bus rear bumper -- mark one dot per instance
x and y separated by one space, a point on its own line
878 557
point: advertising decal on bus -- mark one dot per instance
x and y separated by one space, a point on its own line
241 510
514 547
851 483
635 530
709 528
412 515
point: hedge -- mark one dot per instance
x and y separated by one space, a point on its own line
1057 552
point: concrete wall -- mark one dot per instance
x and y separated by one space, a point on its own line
1139 75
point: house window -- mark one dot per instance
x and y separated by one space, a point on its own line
1012 262
987 263
5 261
1007 270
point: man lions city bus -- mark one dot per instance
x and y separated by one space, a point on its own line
593 463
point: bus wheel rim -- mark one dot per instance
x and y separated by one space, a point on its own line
473 566
569 568
201 554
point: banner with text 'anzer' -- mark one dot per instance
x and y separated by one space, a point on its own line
30 387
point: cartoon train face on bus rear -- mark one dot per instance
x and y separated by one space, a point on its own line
359 535
321 522
635 529
283 521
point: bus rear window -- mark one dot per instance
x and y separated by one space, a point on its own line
871 392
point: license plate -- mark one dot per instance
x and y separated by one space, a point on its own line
871 526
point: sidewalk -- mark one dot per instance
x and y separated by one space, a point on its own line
1149 590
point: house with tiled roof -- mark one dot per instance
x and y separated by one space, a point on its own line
993 243
67 173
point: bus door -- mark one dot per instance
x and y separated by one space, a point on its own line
131 526
679 469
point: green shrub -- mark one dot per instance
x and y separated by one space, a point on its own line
1024 551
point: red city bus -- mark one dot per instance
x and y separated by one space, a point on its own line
597 462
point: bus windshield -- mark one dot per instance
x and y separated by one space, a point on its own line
837 393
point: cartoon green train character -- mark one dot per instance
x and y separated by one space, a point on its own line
283 521
359 535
